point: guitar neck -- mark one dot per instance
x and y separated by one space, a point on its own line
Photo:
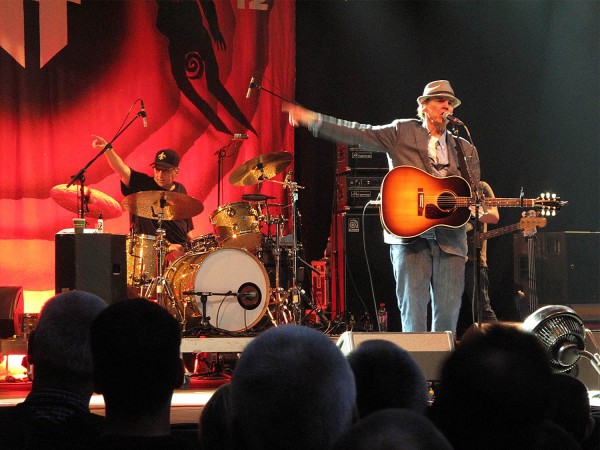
498 201
499 231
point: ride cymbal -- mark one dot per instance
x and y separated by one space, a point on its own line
259 169
95 202
173 205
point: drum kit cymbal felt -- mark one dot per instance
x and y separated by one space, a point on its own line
219 283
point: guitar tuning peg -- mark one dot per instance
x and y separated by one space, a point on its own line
553 196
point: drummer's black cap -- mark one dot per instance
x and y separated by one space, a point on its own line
166 159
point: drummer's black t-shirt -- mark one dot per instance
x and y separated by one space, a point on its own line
176 230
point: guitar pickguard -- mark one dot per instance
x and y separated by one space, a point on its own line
434 213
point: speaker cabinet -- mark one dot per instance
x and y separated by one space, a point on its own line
355 272
11 310
566 268
92 262
430 350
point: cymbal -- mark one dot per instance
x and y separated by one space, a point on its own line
96 201
256 197
176 205
259 169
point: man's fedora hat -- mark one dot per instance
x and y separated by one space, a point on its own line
439 88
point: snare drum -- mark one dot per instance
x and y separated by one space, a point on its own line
219 271
237 225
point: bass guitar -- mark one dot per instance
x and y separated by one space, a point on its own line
413 201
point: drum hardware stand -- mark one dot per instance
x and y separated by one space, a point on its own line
160 282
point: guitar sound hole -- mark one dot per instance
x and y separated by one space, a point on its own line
446 201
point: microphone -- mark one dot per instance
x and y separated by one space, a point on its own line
143 114
251 86
450 118
239 136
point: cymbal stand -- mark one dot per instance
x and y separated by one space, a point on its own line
160 283
283 314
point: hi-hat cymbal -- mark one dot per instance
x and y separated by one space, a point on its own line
173 205
256 197
96 202
259 169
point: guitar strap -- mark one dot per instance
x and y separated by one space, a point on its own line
463 165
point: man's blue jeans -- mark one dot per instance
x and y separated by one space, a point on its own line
423 272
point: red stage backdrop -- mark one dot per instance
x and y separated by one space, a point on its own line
73 68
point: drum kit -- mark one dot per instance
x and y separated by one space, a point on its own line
220 282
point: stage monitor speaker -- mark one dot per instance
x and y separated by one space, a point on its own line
430 350
95 263
11 310
350 272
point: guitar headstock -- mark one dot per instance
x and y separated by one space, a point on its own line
549 204
530 221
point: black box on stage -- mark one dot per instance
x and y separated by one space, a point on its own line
92 262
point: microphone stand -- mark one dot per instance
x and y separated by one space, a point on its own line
234 145
80 176
260 88
476 197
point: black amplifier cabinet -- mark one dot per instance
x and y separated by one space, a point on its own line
359 176
354 192
358 159
95 263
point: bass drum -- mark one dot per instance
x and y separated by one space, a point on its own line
220 271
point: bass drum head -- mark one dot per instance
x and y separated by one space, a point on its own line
235 270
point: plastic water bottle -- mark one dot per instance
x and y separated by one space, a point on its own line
382 317
100 224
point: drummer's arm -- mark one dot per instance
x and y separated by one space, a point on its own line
114 161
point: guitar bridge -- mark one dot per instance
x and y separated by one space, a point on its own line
420 201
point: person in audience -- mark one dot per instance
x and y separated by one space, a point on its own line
137 366
571 408
214 427
291 389
387 376
56 412
494 390
393 429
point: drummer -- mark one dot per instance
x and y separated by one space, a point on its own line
166 168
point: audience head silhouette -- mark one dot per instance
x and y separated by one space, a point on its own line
387 376
56 412
59 346
495 390
393 429
214 428
292 389
137 364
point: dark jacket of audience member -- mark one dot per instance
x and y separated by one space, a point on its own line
387 376
56 412
291 389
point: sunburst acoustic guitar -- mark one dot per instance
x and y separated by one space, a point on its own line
413 201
